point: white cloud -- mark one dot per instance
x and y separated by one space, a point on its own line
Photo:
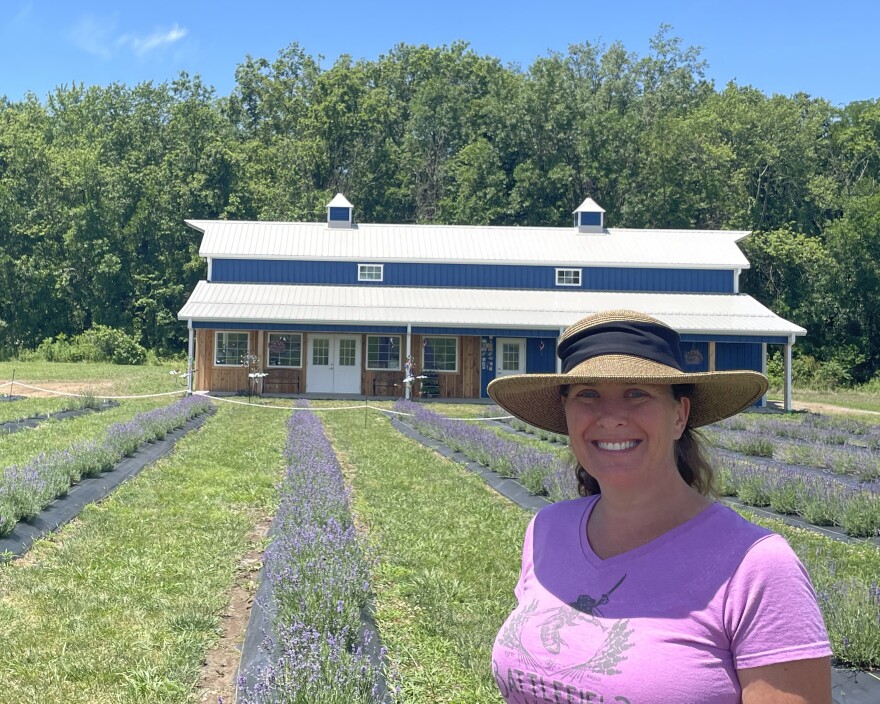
94 35
143 45
98 36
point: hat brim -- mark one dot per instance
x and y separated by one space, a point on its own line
536 398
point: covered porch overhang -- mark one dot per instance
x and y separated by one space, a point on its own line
406 310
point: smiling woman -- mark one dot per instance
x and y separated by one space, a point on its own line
645 589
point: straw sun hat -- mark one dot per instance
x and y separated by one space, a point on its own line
627 347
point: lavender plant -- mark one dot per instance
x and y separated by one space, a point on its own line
27 489
540 472
319 577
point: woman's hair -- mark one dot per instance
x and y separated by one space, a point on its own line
690 458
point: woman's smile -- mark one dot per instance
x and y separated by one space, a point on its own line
616 446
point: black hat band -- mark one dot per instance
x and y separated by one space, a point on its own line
646 340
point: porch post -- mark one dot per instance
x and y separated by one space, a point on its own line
408 386
558 360
788 346
189 358
764 369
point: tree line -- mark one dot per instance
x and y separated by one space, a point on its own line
96 181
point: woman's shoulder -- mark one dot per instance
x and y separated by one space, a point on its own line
755 545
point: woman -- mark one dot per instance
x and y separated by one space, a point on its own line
646 590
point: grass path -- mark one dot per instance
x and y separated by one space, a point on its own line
121 605
439 602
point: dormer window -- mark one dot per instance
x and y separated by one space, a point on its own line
370 272
589 217
340 213
590 220
568 277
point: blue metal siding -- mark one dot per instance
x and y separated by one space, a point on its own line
487 364
541 355
591 219
474 276
733 355
695 356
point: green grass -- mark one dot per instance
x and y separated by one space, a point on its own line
122 604
109 379
449 554
29 407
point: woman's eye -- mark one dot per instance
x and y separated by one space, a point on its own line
587 393
636 393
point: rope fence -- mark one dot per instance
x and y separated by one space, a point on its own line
223 399
67 393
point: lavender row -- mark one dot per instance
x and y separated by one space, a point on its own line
542 473
517 424
862 463
27 489
822 501
318 575
812 428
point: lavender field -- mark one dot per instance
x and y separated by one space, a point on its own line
847 582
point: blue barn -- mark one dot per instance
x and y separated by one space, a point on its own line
338 308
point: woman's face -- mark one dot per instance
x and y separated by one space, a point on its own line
624 434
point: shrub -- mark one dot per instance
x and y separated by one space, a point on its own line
98 344
112 345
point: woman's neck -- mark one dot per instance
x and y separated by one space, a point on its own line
624 520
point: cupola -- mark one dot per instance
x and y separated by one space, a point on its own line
589 217
340 212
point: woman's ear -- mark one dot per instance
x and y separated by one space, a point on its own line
682 412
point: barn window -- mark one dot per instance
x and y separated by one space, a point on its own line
230 348
568 277
440 353
285 349
370 272
383 352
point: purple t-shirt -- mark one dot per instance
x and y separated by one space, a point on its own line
670 621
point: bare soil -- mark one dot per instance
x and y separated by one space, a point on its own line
819 408
217 679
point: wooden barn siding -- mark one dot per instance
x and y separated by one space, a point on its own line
465 383
381 383
212 378
202 379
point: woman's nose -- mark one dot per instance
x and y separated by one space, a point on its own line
612 414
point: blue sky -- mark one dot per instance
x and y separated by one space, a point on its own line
778 46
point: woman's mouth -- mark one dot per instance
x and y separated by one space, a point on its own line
616 446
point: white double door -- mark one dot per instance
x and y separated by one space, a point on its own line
334 364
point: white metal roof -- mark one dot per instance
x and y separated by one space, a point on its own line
449 307
339 201
547 246
589 206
